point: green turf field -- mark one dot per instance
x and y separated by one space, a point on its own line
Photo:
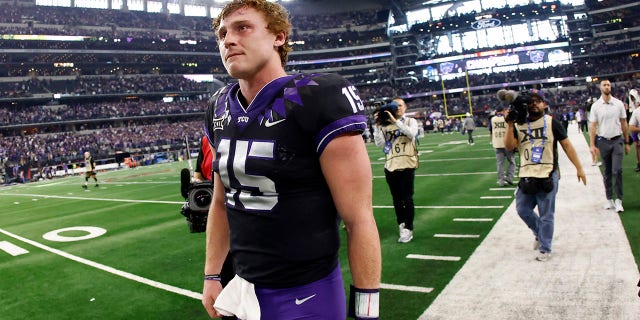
132 256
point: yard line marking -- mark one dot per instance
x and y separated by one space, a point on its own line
453 174
111 270
49 184
142 182
427 257
444 174
445 207
405 288
12 249
452 143
442 235
502 189
457 159
92 199
473 219
440 160
496 197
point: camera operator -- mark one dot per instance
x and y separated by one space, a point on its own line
536 138
396 134
203 169
202 177
197 190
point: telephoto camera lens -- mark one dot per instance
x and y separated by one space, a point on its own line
202 198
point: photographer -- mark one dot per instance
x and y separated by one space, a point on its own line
90 167
536 135
396 134
497 130
203 169
195 192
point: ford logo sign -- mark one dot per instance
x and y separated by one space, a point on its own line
485 23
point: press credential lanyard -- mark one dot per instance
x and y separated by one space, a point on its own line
536 152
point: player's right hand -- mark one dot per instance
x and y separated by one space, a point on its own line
210 292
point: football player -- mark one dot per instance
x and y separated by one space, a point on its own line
289 164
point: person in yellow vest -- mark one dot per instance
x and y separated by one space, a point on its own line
90 167
396 134
537 142
497 130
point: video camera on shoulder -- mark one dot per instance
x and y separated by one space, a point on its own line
383 117
198 198
518 104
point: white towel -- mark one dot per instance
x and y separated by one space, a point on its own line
238 299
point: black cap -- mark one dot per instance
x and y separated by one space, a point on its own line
539 94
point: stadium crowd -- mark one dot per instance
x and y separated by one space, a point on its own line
50 134
100 85
381 86
105 137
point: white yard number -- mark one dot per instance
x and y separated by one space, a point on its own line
354 99
257 192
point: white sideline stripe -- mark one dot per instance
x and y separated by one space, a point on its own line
441 235
91 199
427 257
405 288
502 189
473 219
496 197
12 249
445 207
111 270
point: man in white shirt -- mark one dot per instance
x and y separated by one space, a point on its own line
609 132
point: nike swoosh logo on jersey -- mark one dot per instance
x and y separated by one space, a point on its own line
301 301
269 123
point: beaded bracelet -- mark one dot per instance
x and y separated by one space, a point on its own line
214 277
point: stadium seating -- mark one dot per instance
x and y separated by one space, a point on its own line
104 86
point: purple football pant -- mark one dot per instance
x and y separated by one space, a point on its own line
321 299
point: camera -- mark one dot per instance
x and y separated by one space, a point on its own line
518 104
198 198
383 117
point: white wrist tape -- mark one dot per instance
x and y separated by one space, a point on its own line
367 305
364 303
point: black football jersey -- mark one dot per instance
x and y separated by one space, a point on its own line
283 222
